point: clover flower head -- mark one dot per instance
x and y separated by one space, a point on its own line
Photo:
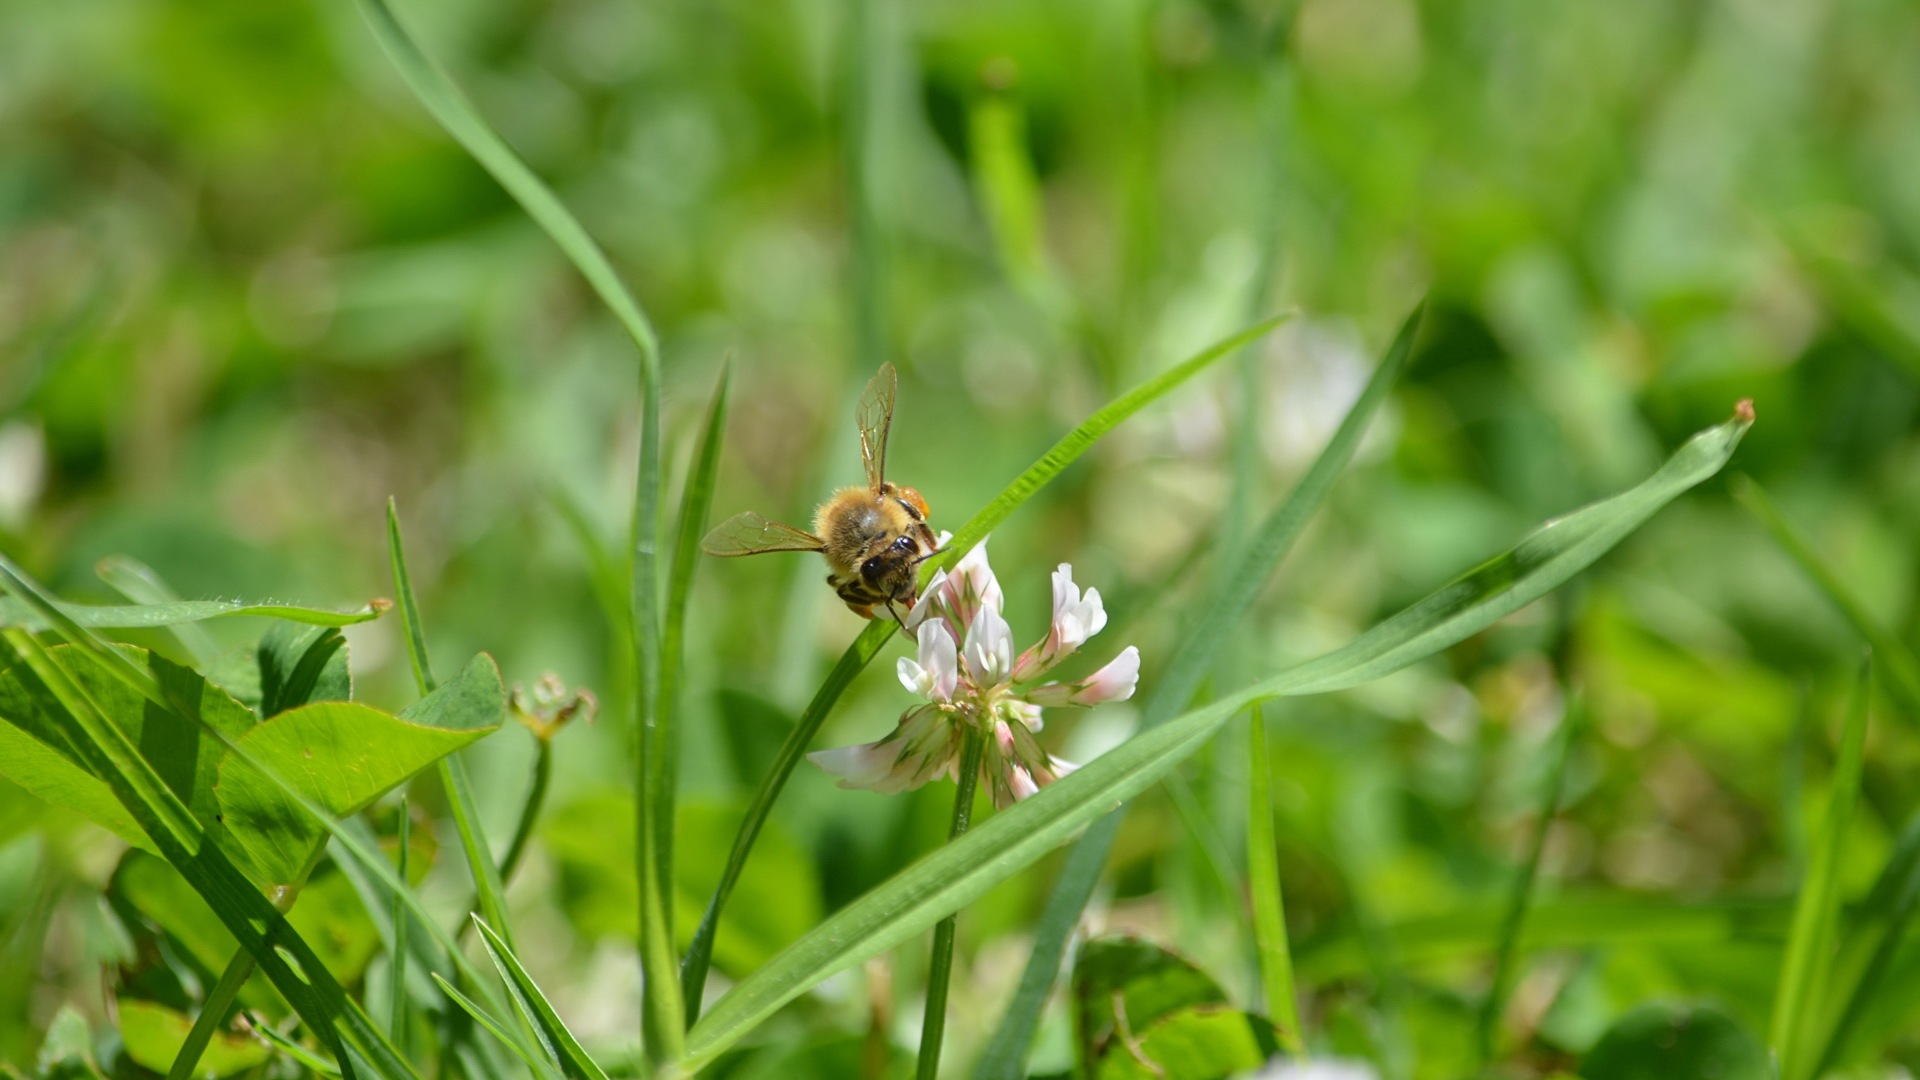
964 666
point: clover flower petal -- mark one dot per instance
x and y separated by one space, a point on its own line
936 673
989 652
1114 682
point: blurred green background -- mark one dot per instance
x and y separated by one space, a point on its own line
248 290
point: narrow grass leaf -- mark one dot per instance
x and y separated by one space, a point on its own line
492 1027
554 1037
409 608
139 583
865 647
1874 934
1236 588
1801 995
301 1054
16 612
1891 655
960 872
1263 882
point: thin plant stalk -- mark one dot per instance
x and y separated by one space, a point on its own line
940 970
530 810
397 1026
1263 878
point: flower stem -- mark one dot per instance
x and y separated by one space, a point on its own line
941 968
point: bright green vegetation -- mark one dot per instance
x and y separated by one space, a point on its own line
1502 710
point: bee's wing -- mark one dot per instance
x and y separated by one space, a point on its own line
751 534
875 415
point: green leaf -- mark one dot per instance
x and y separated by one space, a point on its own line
1802 1000
1676 1042
1263 885
343 756
139 583
302 666
868 644
948 879
1196 1044
154 1033
492 1026
1246 571
14 612
1121 984
552 1032
1873 936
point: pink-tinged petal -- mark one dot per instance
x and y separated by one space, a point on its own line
1021 783
1115 682
989 649
972 586
928 604
939 659
923 746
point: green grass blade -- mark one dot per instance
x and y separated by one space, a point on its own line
301 1054
1515 920
409 608
663 752
554 1037
489 891
492 1027
948 879
1890 654
1801 995
662 1013
1263 879
139 583
14 612
397 958
1226 603
1873 937
868 644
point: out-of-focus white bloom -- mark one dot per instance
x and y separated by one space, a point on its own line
1317 1069
966 670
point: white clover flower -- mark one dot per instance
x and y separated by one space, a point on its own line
966 670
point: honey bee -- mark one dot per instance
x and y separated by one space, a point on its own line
873 537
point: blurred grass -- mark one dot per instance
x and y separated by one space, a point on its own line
248 292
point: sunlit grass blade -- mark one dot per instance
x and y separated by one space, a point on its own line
1891 655
13 612
554 1037
868 644
1801 996
662 1014
1263 883
663 750
493 1027
953 876
1515 920
489 892
139 583
307 1058
1234 590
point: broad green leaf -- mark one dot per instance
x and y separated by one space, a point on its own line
38 756
868 644
1676 1042
153 1034
343 756
1195 1044
1245 570
552 1032
950 878
14 612
1121 984
1801 1000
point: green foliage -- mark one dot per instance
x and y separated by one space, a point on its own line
1676 1042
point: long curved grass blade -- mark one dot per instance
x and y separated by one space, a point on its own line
663 753
554 1037
489 891
301 1054
1226 603
139 583
1515 919
14 612
1801 997
492 1026
1891 655
1874 935
1263 878
868 644
662 1014
953 876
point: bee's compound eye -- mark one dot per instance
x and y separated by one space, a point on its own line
903 543
870 567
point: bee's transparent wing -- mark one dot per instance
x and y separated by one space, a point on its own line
875 415
751 534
